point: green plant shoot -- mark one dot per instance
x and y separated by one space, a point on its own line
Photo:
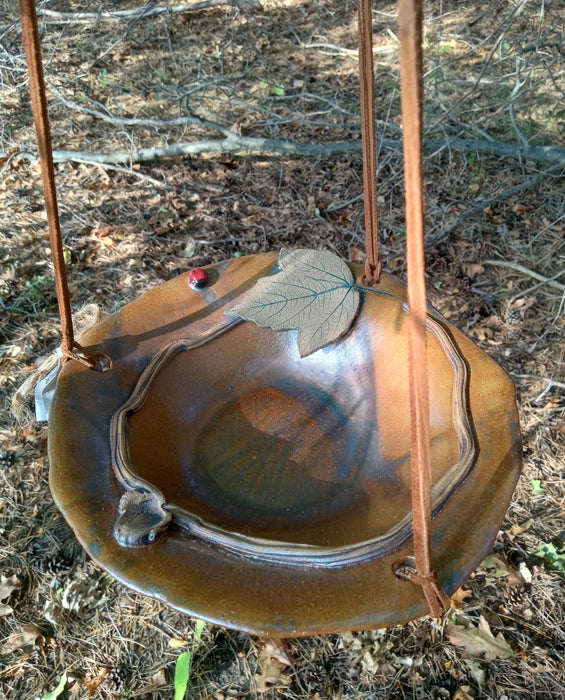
182 667
54 694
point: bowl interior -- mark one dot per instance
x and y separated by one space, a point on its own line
247 436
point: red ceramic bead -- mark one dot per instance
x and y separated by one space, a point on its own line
198 279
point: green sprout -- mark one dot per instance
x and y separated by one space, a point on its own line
182 667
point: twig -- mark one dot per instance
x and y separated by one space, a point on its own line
147 10
540 154
531 289
126 171
234 143
525 271
484 203
230 144
536 377
551 154
335 50
107 116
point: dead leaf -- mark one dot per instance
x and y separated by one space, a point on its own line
460 595
386 669
277 651
463 693
5 610
357 255
271 675
471 270
24 639
311 208
369 663
494 566
8 586
158 680
479 641
519 529
314 293
94 683
482 333
177 643
190 249
478 671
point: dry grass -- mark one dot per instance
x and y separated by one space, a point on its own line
491 72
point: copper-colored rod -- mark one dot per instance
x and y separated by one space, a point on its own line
39 104
373 263
411 76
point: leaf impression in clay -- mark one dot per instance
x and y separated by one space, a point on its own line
314 293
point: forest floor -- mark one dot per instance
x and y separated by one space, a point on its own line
495 73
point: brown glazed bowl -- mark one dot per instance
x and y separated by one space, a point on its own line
215 469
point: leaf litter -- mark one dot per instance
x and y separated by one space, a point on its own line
478 640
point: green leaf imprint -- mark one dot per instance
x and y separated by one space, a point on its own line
314 293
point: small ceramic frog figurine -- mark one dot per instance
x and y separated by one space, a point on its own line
142 518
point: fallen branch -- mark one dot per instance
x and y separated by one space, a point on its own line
231 144
537 154
536 377
482 204
234 143
128 171
148 10
531 289
111 118
529 273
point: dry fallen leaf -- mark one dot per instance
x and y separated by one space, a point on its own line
158 680
460 595
8 586
311 207
494 566
272 674
357 255
519 529
482 333
369 663
177 643
190 249
5 610
479 641
463 693
93 683
472 269
385 668
24 639
313 293
477 669
277 651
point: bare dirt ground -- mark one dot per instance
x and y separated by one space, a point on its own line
495 73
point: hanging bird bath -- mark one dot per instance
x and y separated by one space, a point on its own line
286 480
279 476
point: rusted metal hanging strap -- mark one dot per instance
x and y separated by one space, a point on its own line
373 264
411 76
69 347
